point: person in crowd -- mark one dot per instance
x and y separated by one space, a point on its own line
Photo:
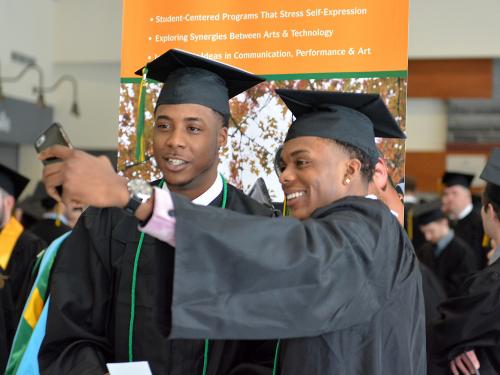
467 332
451 259
465 220
53 222
123 279
18 249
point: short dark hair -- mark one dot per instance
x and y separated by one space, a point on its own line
491 191
410 184
367 165
223 118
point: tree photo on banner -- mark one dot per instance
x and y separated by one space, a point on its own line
258 125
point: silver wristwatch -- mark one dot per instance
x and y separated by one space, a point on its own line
140 192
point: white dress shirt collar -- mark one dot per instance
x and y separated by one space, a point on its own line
467 210
209 195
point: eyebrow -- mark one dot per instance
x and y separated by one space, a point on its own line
297 152
189 119
162 117
293 154
185 119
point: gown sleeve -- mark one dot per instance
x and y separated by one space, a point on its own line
471 320
245 277
76 339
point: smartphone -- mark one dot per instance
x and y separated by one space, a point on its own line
53 135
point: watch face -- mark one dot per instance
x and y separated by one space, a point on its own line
140 189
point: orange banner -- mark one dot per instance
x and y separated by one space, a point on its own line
271 37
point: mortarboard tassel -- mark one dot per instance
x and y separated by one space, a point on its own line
139 145
58 215
486 241
409 230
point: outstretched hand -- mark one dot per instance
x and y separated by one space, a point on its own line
85 179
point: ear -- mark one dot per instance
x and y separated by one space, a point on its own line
490 212
222 137
353 166
380 175
9 203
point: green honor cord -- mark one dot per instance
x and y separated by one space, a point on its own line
276 356
139 142
134 283
132 299
132 293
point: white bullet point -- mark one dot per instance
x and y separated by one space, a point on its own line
151 19
150 38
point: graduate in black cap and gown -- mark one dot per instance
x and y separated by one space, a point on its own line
338 282
18 249
451 259
465 219
111 288
468 333
52 223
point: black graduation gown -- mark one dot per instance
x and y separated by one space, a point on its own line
454 264
89 314
470 229
417 238
434 295
48 230
5 331
14 289
343 289
471 321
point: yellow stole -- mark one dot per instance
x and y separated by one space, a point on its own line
8 239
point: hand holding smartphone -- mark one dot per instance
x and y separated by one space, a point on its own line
53 135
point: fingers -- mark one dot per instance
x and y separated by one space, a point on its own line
57 151
52 177
52 169
76 204
464 364
461 366
471 354
468 363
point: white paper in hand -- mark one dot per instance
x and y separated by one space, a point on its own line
129 368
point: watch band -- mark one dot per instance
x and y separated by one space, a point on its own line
132 205
139 191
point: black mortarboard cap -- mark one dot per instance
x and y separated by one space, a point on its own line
260 193
457 178
36 204
346 117
428 212
302 102
192 79
11 181
491 174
